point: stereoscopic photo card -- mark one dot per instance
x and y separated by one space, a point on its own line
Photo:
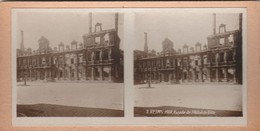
129 66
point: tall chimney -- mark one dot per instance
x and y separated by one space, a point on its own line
22 44
145 43
214 23
240 21
90 22
116 22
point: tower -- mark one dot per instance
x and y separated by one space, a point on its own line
90 22
214 23
145 43
240 21
116 22
22 44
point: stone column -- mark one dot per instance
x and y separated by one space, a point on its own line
30 75
86 71
225 57
225 74
33 76
182 76
217 58
64 74
100 55
162 77
116 70
39 73
159 76
155 76
217 80
69 73
77 66
187 76
50 74
83 75
101 72
92 56
201 75
109 74
170 77
58 74
36 74
209 75
92 73
109 53
46 74
173 76
142 77
234 76
33 72
194 75
234 55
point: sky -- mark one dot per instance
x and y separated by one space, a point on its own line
180 27
60 25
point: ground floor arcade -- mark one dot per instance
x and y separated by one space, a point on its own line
220 74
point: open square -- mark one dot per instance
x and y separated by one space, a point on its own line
94 95
207 97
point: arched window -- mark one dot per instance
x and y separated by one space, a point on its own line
105 55
213 59
221 57
205 59
217 57
80 58
43 61
231 39
230 56
97 40
97 55
222 41
106 38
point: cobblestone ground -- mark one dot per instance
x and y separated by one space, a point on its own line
218 97
91 95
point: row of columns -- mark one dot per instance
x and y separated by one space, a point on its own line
217 56
225 72
36 74
93 55
49 74
100 71
202 76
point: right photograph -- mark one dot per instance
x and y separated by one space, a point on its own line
188 64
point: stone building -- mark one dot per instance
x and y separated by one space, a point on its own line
218 61
98 58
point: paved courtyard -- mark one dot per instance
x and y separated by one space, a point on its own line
218 97
78 94
110 95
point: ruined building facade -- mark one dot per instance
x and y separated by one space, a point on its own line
218 61
98 58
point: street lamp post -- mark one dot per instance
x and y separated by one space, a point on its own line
149 78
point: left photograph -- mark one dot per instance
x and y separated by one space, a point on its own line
68 63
